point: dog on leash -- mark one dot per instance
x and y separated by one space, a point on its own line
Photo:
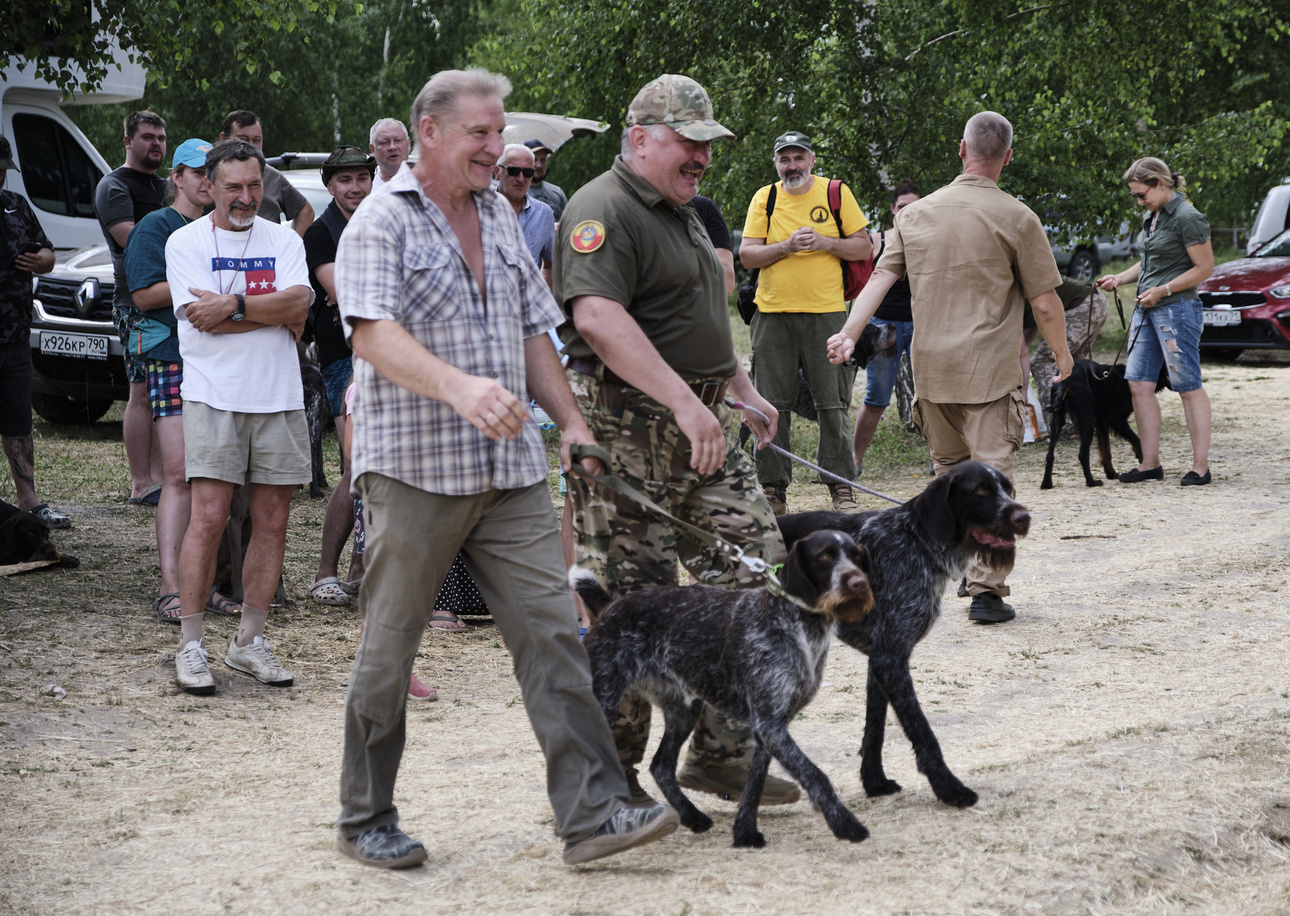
25 539
1099 401
317 413
916 549
754 656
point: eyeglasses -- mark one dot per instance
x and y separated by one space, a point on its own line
515 171
1140 195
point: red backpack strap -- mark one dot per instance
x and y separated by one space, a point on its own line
835 203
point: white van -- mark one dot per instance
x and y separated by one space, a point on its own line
58 168
1273 217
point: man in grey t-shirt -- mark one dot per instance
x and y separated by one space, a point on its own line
280 196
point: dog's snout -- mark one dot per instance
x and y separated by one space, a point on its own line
1021 519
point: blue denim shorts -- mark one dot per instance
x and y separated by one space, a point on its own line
1166 335
880 374
336 375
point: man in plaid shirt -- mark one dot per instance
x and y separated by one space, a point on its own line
448 317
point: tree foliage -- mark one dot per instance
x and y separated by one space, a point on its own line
886 87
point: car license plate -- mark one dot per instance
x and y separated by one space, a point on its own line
86 346
1222 317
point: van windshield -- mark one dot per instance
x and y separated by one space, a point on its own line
1278 247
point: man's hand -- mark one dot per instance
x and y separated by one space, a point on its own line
36 262
209 309
764 431
1065 365
707 440
807 239
580 435
490 408
840 348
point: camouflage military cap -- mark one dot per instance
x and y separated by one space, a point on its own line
681 104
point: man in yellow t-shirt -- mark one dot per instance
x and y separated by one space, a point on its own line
800 250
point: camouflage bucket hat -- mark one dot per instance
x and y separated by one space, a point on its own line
681 104
347 157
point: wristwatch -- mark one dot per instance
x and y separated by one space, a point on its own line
240 312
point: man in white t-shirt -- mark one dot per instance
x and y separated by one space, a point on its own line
241 291
388 141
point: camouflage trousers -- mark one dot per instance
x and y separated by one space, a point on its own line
1083 324
628 547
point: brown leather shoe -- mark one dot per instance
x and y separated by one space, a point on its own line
844 498
729 782
778 499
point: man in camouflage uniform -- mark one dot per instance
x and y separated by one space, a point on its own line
651 359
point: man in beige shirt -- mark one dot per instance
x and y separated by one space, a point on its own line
973 255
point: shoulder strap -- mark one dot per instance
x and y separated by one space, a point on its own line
835 203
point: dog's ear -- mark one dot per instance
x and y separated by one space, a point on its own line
795 577
865 560
934 507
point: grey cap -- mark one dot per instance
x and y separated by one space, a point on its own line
6 155
793 138
681 104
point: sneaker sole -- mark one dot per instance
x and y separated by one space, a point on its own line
712 787
991 616
203 690
287 683
412 859
599 847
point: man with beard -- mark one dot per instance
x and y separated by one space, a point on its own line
798 239
240 289
124 197
280 197
543 190
388 141
650 361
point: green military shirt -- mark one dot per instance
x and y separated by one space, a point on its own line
620 239
1164 251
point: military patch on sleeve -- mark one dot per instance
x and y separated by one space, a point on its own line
587 236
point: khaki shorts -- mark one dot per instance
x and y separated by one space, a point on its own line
990 433
270 448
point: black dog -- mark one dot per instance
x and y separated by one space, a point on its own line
756 657
317 413
916 549
1099 401
25 539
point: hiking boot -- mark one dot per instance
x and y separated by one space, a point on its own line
729 782
383 847
988 607
257 660
51 517
636 796
778 499
629 827
844 498
191 669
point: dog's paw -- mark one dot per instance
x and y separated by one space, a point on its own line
883 786
1093 483
1046 485
956 794
696 822
1115 475
851 830
750 840
67 561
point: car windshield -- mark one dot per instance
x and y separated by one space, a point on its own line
1279 247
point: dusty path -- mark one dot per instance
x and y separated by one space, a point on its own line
1129 735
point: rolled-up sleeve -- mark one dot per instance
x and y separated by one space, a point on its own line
369 272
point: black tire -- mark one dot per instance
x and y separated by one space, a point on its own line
905 392
1223 354
1083 265
69 411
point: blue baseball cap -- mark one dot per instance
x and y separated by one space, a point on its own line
191 154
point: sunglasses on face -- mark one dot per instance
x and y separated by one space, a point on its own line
515 171
1140 195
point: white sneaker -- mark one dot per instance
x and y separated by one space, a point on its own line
257 660
191 669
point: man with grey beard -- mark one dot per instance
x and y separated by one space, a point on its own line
798 234
241 292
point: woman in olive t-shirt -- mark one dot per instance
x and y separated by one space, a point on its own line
1176 256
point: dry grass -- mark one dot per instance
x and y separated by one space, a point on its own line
1127 734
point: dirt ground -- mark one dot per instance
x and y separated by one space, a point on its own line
1128 733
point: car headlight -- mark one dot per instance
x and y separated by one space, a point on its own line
1280 292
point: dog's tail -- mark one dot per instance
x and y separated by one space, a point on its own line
589 589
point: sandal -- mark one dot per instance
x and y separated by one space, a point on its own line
351 587
329 591
166 608
225 607
446 620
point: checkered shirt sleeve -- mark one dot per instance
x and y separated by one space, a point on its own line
400 261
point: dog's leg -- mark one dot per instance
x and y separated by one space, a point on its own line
1054 433
1087 428
893 673
1120 426
746 833
780 743
679 720
1104 452
872 776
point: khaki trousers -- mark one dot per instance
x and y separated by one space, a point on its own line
989 433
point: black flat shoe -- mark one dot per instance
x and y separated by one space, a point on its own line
1192 479
1136 476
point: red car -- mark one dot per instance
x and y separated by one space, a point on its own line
1247 302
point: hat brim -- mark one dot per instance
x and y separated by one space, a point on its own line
701 130
7 164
